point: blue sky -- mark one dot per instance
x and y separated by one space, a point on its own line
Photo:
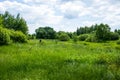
64 15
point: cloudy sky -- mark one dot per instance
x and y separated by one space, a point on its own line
64 15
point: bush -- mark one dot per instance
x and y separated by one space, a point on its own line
29 36
83 37
18 36
114 36
4 36
91 39
75 39
64 37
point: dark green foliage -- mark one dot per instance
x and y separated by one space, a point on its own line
91 38
83 37
70 34
85 30
64 37
117 31
1 21
4 36
75 38
18 36
114 36
31 36
45 33
16 23
81 30
103 32
7 36
59 33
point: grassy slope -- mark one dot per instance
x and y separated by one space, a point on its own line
61 61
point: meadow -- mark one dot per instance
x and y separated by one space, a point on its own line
51 60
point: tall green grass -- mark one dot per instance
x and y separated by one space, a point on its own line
60 61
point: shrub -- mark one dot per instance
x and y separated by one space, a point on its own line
102 32
4 36
114 36
91 39
75 39
83 37
18 36
64 37
29 36
118 42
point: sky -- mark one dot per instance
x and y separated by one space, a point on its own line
64 15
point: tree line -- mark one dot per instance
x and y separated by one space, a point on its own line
12 29
15 29
102 32
16 23
94 33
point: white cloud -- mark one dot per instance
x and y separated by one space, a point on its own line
64 14
35 14
37 2
73 9
26 1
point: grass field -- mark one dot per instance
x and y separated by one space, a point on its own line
60 61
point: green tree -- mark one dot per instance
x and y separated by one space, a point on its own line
20 24
31 36
114 36
83 37
64 37
75 38
70 34
117 31
18 36
59 33
4 36
16 23
103 32
45 33
1 21
80 30
86 29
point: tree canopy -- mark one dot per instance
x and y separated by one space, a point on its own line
117 31
45 33
16 23
103 32
100 32
86 29
12 29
